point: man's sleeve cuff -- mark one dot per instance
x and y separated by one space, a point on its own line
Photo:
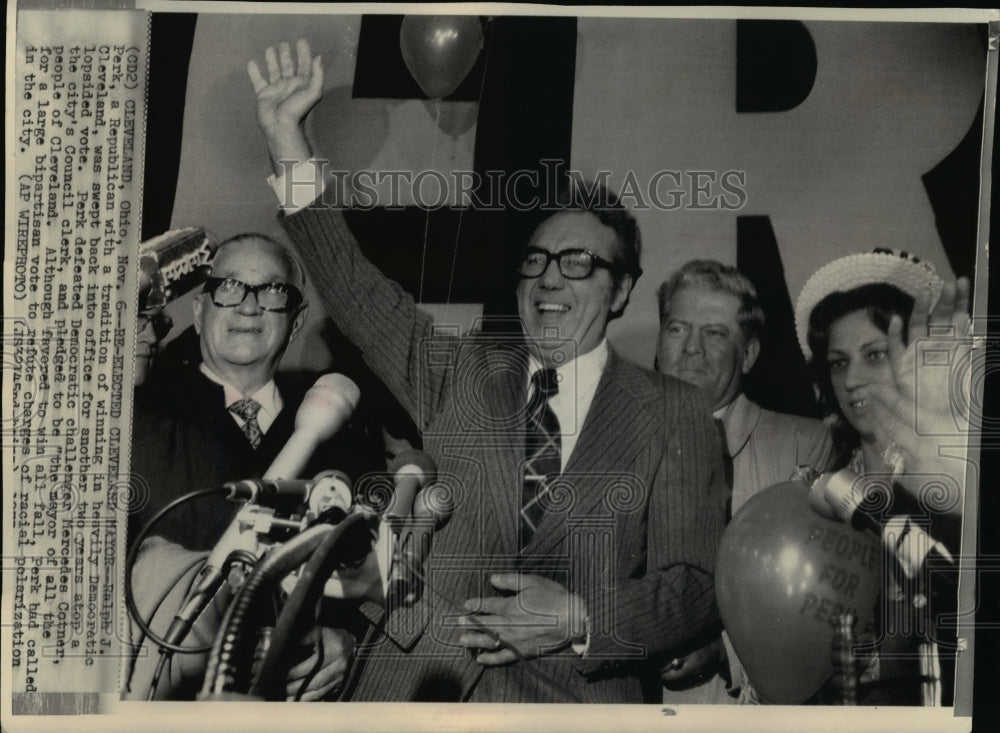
298 185
582 646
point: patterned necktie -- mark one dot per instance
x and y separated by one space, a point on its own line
247 409
542 451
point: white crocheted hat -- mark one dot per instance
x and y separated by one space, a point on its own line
889 266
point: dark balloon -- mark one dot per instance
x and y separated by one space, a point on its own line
452 118
781 574
439 50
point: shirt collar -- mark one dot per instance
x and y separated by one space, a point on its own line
739 418
268 395
573 375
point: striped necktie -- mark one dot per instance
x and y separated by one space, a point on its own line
542 451
247 409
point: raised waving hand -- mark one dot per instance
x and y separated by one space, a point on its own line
921 418
285 95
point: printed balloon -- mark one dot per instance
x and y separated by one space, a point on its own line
782 573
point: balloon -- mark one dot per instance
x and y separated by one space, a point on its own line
452 118
782 572
439 50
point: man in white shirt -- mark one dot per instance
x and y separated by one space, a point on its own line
710 328
198 425
226 418
550 441
249 312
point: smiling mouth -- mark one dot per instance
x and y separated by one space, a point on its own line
857 404
247 329
552 307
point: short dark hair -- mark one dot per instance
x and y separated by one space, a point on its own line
717 277
598 200
880 302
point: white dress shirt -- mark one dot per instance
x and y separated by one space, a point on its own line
577 382
268 396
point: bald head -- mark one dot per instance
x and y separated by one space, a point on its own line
295 272
243 342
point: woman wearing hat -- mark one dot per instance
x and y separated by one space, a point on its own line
862 321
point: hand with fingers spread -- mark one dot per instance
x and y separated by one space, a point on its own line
285 96
324 674
920 417
944 328
542 617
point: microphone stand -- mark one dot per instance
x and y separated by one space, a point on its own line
347 545
229 663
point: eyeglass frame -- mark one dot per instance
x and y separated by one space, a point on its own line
162 323
595 261
294 295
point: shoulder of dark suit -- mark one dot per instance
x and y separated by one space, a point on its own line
648 385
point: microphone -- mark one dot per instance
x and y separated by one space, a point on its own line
206 585
915 549
431 510
325 408
840 496
210 578
331 491
412 470
269 492
290 504
173 263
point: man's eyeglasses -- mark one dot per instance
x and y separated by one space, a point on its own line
574 264
227 292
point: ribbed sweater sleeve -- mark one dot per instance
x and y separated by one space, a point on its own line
374 312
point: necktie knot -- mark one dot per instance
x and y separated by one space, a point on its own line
247 409
545 383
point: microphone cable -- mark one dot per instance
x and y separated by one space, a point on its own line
167 649
137 645
147 632
243 556
355 532
320 650
222 672
130 559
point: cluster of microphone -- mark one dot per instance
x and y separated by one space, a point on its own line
308 535
277 507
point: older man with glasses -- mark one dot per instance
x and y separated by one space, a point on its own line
227 417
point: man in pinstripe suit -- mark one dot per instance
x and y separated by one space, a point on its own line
615 572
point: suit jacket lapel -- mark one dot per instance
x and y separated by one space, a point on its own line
618 426
739 420
504 395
